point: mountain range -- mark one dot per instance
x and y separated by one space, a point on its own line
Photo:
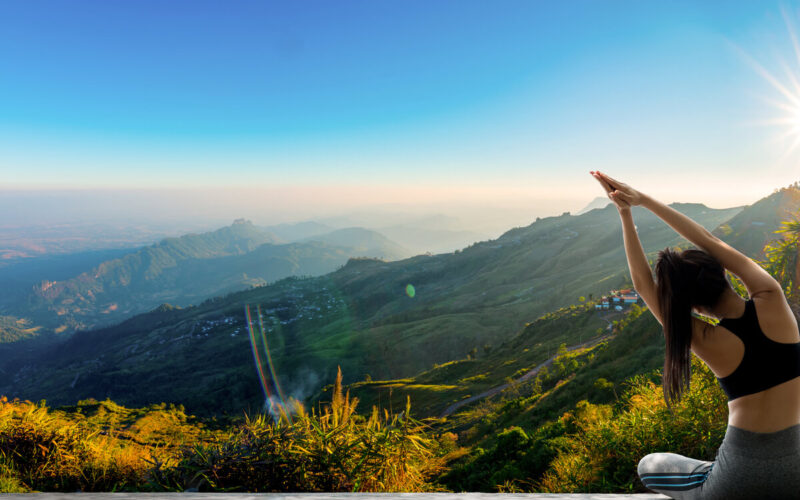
186 270
387 320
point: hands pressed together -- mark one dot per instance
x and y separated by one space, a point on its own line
620 193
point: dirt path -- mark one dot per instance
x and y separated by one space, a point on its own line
531 373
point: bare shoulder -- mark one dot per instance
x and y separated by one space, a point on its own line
720 349
703 340
775 316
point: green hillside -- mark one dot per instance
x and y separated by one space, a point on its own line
434 390
751 228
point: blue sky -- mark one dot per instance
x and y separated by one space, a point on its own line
409 101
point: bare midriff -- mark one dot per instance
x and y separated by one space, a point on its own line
772 410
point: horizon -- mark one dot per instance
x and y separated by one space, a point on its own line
277 113
151 207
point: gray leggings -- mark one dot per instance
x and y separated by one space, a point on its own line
749 465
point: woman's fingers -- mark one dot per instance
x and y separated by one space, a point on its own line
602 182
612 182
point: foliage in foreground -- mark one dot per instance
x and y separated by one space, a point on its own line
335 450
159 449
93 447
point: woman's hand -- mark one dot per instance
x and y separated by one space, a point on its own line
618 190
617 198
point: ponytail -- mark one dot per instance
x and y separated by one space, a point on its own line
684 280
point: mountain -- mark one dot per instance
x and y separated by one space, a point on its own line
188 270
363 317
599 202
435 233
365 243
137 281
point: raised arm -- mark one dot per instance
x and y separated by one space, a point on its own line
641 273
754 277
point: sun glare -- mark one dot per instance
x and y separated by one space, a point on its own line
787 104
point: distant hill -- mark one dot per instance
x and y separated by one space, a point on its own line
189 269
362 317
435 233
599 202
365 243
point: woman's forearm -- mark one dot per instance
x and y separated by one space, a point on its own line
641 273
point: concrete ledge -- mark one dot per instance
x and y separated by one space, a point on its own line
328 496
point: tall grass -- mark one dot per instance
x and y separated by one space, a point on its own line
333 450
43 450
105 447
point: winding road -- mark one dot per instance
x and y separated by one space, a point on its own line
531 373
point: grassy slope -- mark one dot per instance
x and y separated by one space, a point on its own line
433 390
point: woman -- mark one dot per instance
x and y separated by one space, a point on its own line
754 351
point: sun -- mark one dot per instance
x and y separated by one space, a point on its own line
787 101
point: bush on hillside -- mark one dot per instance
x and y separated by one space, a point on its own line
605 443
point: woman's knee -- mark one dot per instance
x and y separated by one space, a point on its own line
646 464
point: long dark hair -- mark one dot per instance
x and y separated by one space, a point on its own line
684 280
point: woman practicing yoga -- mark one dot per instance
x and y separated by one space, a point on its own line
754 351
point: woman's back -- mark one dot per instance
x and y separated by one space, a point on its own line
722 348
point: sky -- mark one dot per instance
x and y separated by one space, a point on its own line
290 110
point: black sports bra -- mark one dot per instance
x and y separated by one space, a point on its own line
765 363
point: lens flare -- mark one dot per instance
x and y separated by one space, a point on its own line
259 367
268 398
410 290
270 364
